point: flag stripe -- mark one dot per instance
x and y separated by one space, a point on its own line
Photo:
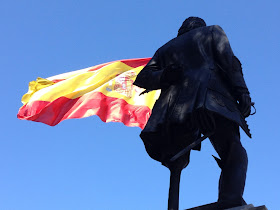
103 81
133 63
77 85
136 62
109 109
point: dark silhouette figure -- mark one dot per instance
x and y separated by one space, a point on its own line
203 92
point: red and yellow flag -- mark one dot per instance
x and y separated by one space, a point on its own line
105 90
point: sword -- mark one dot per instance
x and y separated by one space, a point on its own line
191 146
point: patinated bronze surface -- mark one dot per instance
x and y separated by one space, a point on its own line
203 92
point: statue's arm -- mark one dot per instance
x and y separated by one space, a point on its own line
231 68
150 76
228 63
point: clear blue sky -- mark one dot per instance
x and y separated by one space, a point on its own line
85 164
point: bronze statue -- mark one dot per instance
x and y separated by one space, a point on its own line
203 92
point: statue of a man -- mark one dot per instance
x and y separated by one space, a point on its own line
202 92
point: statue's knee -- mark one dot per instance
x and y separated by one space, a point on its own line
239 149
238 154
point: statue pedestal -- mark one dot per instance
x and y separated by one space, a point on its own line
213 206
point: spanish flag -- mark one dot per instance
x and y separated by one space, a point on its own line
105 90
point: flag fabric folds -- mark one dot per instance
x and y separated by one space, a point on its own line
105 90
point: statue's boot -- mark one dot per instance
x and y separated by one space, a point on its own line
233 176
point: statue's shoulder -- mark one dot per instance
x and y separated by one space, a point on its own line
216 29
214 26
167 45
205 30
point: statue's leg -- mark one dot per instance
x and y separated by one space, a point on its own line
175 173
179 138
174 187
234 161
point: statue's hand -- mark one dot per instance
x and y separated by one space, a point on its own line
245 104
171 75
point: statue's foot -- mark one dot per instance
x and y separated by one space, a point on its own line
214 206
229 204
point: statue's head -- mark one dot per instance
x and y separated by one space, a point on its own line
191 23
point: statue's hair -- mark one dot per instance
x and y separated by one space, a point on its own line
191 23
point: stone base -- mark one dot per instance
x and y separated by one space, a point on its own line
213 206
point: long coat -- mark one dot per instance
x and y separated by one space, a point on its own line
212 79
